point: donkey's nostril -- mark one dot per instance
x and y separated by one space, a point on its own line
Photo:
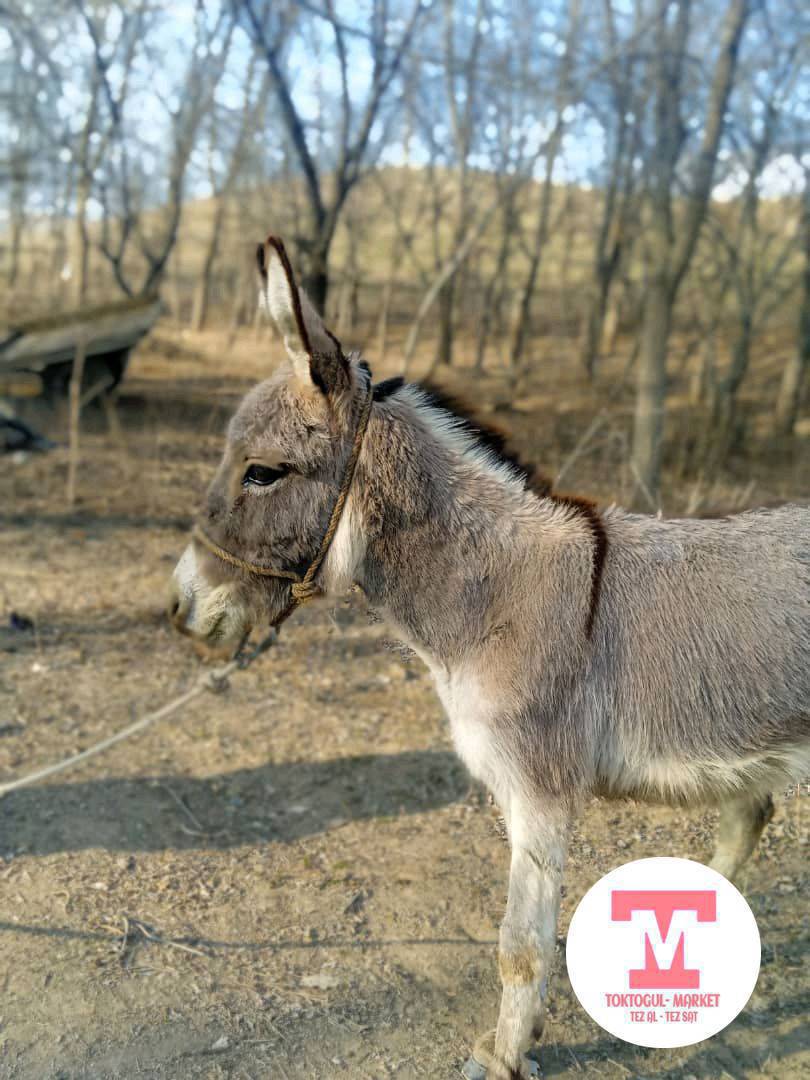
175 606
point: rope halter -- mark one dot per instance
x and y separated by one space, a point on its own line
303 588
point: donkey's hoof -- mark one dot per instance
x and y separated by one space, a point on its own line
485 1064
474 1070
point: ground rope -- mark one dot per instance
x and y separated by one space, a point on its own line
215 680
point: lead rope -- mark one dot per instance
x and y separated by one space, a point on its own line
215 680
303 589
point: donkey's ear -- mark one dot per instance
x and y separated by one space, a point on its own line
316 353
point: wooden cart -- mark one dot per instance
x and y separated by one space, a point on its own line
37 357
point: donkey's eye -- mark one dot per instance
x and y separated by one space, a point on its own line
262 475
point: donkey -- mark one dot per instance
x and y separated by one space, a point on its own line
575 653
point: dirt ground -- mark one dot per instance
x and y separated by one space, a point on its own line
295 878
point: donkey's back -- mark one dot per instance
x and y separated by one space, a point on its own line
704 654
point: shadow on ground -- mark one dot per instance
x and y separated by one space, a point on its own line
278 802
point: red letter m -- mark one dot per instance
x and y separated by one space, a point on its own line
652 976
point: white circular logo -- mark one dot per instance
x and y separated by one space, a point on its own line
663 952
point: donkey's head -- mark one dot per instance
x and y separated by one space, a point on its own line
287 452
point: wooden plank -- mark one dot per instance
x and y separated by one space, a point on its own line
101 332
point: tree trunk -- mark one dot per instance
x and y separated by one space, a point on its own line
522 324
610 245
670 252
83 189
14 250
387 294
243 285
346 308
790 390
721 434
202 293
701 380
316 279
495 283
446 272
595 329
651 391
444 347
81 242
382 324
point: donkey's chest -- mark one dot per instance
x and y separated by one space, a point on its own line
471 713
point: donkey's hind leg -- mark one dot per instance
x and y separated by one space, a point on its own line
741 823
527 939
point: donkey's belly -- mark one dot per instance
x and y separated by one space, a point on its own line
679 782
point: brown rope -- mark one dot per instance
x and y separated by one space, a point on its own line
240 564
303 588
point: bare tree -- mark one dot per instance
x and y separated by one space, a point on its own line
670 244
750 256
562 102
131 228
797 367
495 289
249 121
30 166
620 115
512 95
103 116
405 198
461 60
353 146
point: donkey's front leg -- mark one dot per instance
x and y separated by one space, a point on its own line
527 939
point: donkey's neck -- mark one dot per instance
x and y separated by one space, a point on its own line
438 533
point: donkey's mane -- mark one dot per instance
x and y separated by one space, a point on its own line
492 439
495 442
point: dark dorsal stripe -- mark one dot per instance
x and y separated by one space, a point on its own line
496 442
591 516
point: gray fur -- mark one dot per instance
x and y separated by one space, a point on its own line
694 687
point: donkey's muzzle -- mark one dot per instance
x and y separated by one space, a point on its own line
214 616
